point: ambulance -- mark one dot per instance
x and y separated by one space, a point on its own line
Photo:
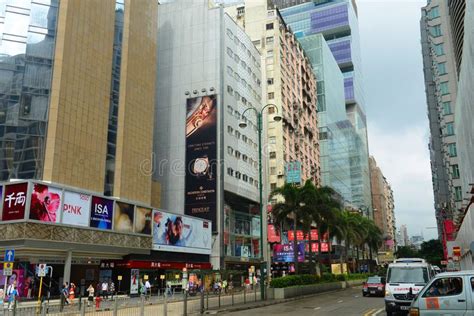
406 277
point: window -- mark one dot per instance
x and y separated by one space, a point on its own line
230 130
455 171
230 150
447 108
443 88
449 129
256 43
269 40
241 10
442 68
271 96
273 186
269 26
458 194
244 138
439 49
273 155
230 110
230 171
230 52
238 175
447 286
245 158
452 150
245 177
270 81
230 90
433 13
270 53
237 154
271 110
436 30
237 134
272 140
273 171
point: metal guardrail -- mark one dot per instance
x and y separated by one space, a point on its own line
173 305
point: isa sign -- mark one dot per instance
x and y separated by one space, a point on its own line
293 172
102 211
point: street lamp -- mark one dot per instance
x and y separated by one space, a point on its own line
243 124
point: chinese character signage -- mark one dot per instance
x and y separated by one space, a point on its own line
179 233
201 158
293 172
76 208
102 211
14 201
301 236
45 203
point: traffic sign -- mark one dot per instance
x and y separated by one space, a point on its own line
41 269
9 255
7 268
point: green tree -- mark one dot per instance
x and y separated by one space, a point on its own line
406 252
432 251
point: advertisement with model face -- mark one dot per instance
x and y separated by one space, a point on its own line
134 281
102 211
143 220
180 233
201 158
45 203
123 217
14 201
76 208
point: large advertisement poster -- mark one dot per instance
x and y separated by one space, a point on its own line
134 281
201 158
143 220
14 201
173 232
256 226
284 252
76 208
123 217
102 211
45 203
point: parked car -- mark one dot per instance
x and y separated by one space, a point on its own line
449 293
374 285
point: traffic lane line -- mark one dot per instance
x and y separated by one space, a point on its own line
379 311
369 312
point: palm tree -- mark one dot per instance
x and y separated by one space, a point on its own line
291 209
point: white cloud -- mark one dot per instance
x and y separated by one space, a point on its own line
404 159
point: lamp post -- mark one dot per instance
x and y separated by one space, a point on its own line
243 124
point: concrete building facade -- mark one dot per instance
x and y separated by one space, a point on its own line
439 65
291 86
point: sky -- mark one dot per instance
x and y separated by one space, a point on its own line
396 107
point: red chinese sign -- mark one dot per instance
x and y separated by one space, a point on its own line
14 201
301 236
315 247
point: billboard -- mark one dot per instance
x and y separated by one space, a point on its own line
76 207
293 172
123 217
201 158
134 279
45 203
285 253
102 211
14 201
256 226
179 233
143 220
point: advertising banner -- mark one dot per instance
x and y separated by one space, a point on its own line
272 234
293 172
143 220
315 247
179 233
102 211
300 235
14 201
285 253
45 203
201 158
256 226
134 281
76 207
123 217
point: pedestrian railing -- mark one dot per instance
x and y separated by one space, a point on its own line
176 304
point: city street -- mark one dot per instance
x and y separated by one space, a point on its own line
344 302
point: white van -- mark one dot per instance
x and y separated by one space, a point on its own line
450 293
405 278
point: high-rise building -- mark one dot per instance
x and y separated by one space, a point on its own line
383 206
293 144
77 98
404 240
336 20
439 65
208 75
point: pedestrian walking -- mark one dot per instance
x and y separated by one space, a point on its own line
97 301
65 293
90 296
112 289
224 286
105 290
147 289
72 293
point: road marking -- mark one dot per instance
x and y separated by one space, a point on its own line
356 296
378 312
369 312
316 308
340 301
